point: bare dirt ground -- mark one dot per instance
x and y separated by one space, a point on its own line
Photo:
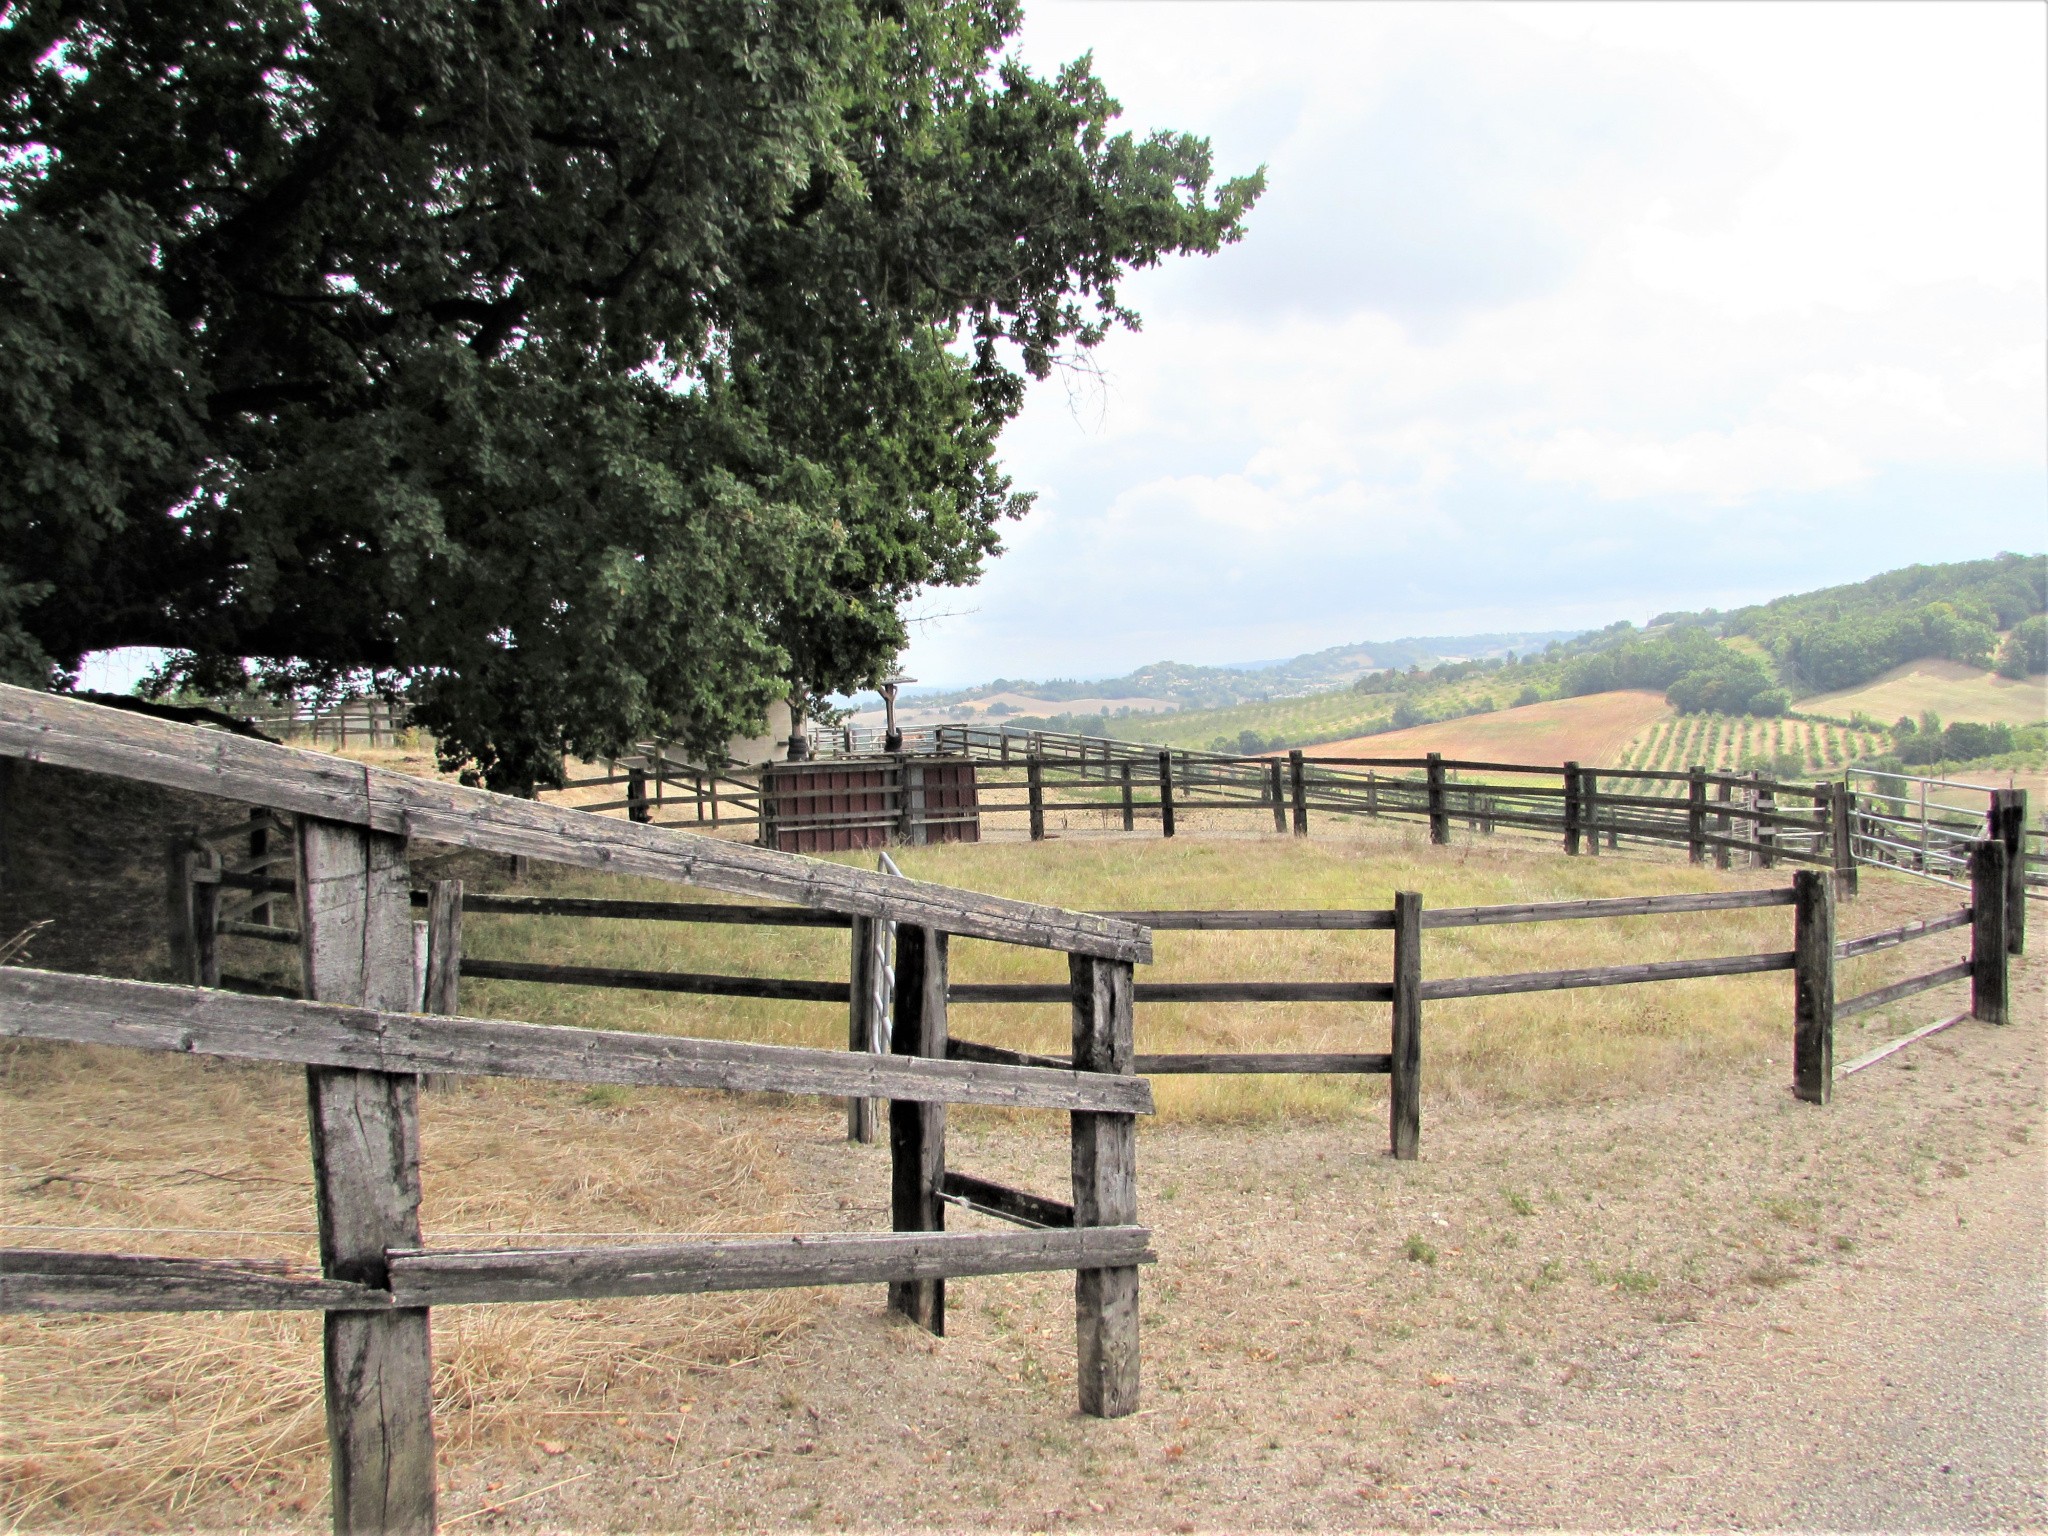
1712 1308
1592 729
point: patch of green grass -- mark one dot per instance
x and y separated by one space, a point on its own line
1519 1203
605 1095
1419 1251
1550 1272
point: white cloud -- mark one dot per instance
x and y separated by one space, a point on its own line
1553 314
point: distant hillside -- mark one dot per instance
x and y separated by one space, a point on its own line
1193 687
1840 637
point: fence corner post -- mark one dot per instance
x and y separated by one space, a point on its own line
917 1132
1124 779
1034 794
1813 985
1989 956
2008 824
1277 794
356 947
1166 794
1297 785
1105 1168
1404 1095
1573 808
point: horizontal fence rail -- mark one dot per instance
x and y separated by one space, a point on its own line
49 1280
47 728
144 1015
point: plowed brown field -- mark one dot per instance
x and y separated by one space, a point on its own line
1593 729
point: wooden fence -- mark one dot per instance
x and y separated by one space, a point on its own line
1023 779
1813 957
381 988
365 1046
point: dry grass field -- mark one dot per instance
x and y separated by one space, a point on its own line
1950 689
1399 1294
1593 729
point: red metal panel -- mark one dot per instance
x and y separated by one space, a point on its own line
835 807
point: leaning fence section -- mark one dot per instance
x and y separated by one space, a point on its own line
369 1029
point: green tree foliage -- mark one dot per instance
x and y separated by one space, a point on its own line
586 371
1962 741
1843 636
2024 652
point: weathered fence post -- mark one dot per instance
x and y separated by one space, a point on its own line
1105 1165
1813 985
863 1009
178 935
1277 795
636 795
1130 815
1841 808
1404 1094
355 936
2008 825
917 1132
1724 793
259 845
1989 957
205 867
1573 808
1589 808
441 970
1297 783
1372 794
1766 831
1166 794
1439 818
1034 792
1696 814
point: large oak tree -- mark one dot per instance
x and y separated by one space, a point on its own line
586 369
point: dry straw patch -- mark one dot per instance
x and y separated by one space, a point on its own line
216 1418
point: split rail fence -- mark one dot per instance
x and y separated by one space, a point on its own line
365 1046
873 984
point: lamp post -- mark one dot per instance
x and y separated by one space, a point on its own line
892 738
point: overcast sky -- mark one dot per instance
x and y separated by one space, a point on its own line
1549 316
